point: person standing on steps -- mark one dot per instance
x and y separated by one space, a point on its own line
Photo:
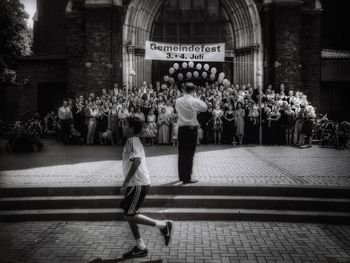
135 188
187 108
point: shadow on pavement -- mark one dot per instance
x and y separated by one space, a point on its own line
99 260
55 153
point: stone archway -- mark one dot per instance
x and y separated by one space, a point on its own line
247 53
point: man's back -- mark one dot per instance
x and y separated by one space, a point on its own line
187 108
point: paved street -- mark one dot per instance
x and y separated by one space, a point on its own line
192 242
59 165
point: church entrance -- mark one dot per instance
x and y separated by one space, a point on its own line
235 23
192 22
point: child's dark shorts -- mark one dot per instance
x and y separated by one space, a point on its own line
133 199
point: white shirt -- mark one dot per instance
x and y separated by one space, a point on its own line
169 110
133 149
187 108
64 113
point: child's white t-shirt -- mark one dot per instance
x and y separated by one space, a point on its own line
133 149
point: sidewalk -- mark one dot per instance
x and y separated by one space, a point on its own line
59 165
75 242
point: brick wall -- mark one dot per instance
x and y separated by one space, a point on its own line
75 53
287 45
98 47
50 30
94 48
118 17
37 72
311 54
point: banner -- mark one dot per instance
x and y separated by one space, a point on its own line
185 52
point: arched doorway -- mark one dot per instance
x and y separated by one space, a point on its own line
239 27
192 22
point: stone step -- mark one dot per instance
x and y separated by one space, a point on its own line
179 201
196 189
178 214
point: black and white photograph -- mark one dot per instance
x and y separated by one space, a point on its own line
204 131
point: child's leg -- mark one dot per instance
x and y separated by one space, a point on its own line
145 220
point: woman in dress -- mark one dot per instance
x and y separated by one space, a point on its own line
163 127
150 128
175 128
113 123
239 122
122 114
93 113
289 124
217 124
103 122
229 124
275 124
308 127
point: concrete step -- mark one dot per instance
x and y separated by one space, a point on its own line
196 189
178 214
179 201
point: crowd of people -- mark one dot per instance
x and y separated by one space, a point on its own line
233 115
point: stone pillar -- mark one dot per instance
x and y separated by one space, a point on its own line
267 15
118 17
287 64
311 53
98 47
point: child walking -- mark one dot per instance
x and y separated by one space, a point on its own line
135 188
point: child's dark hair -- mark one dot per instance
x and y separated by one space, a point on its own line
136 123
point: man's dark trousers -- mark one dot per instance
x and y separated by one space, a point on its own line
187 141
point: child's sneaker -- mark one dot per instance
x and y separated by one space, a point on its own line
167 232
136 253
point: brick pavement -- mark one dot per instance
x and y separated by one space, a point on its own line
202 241
59 165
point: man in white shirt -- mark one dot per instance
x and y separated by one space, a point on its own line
187 108
65 117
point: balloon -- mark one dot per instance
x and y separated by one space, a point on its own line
196 74
199 66
164 86
189 75
191 64
213 70
220 80
171 80
225 81
180 76
184 65
222 75
171 70
176 66
230 91
206 67
204 75
166 78
212 76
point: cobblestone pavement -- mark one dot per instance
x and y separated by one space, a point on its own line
192 242
101 165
